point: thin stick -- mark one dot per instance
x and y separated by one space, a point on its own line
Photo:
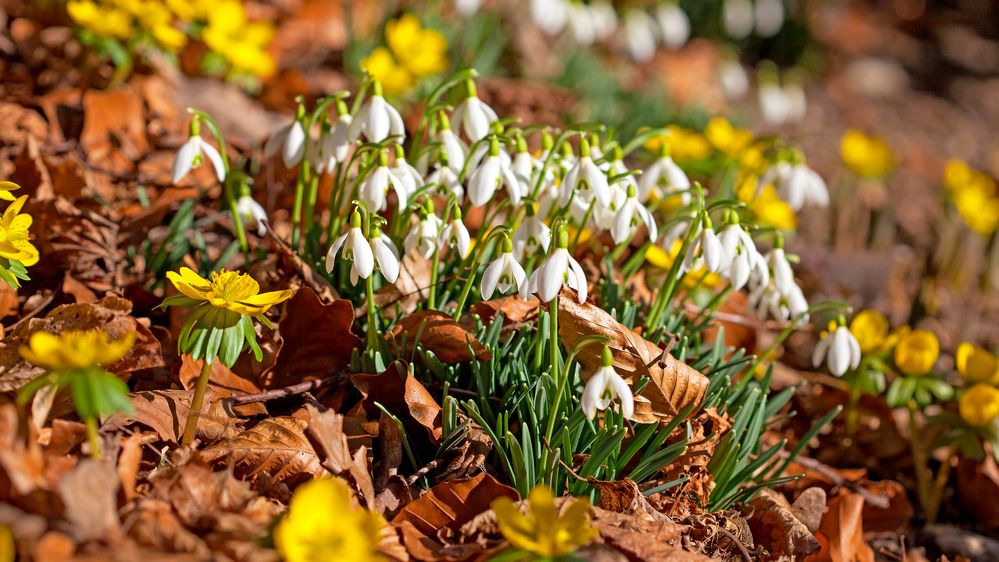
284 392
837 479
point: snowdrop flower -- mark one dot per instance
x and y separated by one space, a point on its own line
447 181
604 386
796 184
741 257
503 273
386 255
404 172
737 18
489 175
374 189
773 103
839 350
639 35
523 165
377 119
585 179
558 269
673 234
706 249
473 116
448 144
455 234
783 275
467 7
674 25
769 15
582 24
192 153
664 177
532 235
422 237
252 213
733 78
335 143
765 298
355 250
289 140
604 19
797 103
550 15
629 216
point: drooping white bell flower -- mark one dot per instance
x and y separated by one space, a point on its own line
489 175
797 102
193 153
582 24
524 166
422 236
533 235
733 79
374 188
585 179
405 172
674 25
446 181
558 269
796 184
742 259
386 255
377 119
355 250
467 8
839 350
737 18
252 214
473 116
604 386
334 144
769 16
503 273
550 15
450 148
604 19
663 178
630 215
780 267
639 35
705 249
289 140
773 103
455 234
764 297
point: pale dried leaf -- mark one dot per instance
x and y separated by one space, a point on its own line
276 447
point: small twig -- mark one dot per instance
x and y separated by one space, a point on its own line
738 544
38 309
423 471
284 392
837 479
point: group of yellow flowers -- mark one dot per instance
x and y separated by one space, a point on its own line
974 195
169 25
411 52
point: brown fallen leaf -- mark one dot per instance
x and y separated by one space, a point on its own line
165 411
88 494
402 394
776 527
275 447
409 290
114 131
437 332
128 464
841 534
452 504
977 480
513 308
225 382
674 385
316 340
325 431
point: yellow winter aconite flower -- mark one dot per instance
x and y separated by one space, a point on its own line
768 207
979 405
322 525
868 156
102 18
871 329
394 77
916 352
230 290
684 144
15 242
75 350
5 190
241 42
421 50
542 531
976 364
974 196
726 137
958 176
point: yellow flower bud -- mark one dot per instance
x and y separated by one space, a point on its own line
866 156
979 405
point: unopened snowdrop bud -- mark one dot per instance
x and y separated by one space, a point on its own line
733 78
839 350
585 179
386 255
289 140
455 234
377 119
355 250
558 269
252 213
582 24
473 116
192 153
604 19
674 25
737 18
604 386
467 8
453 149
523 164
422 237
783 275
532 235
403 172
639 35
769 15
631 214
797 102
706 249
504 273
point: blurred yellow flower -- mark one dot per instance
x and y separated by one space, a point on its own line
75 350
394 78
979 405
242 43
767 206
542 531
871 328
101 18
421 50
683 144
322 525
662 259
15 243
5 190
866 156
976 364
916 352
230 290
726 137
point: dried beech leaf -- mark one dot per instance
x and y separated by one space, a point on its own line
452 504
276 447
776 527
401 393
513 308
89 494
437 332
325 431
674 386
165 411
841 533
225 382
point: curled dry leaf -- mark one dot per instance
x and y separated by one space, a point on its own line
165 412
776 527
674 384
316 340
623 496
110 314
513 308
977 480
402 394
325 431
642 537
841 533
276 447
89 496
437 332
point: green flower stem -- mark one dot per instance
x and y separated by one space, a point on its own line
480 250
853 410
191 427
918 460
435 261
372 329
939 483
296 210
334 205
92 437
669 285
